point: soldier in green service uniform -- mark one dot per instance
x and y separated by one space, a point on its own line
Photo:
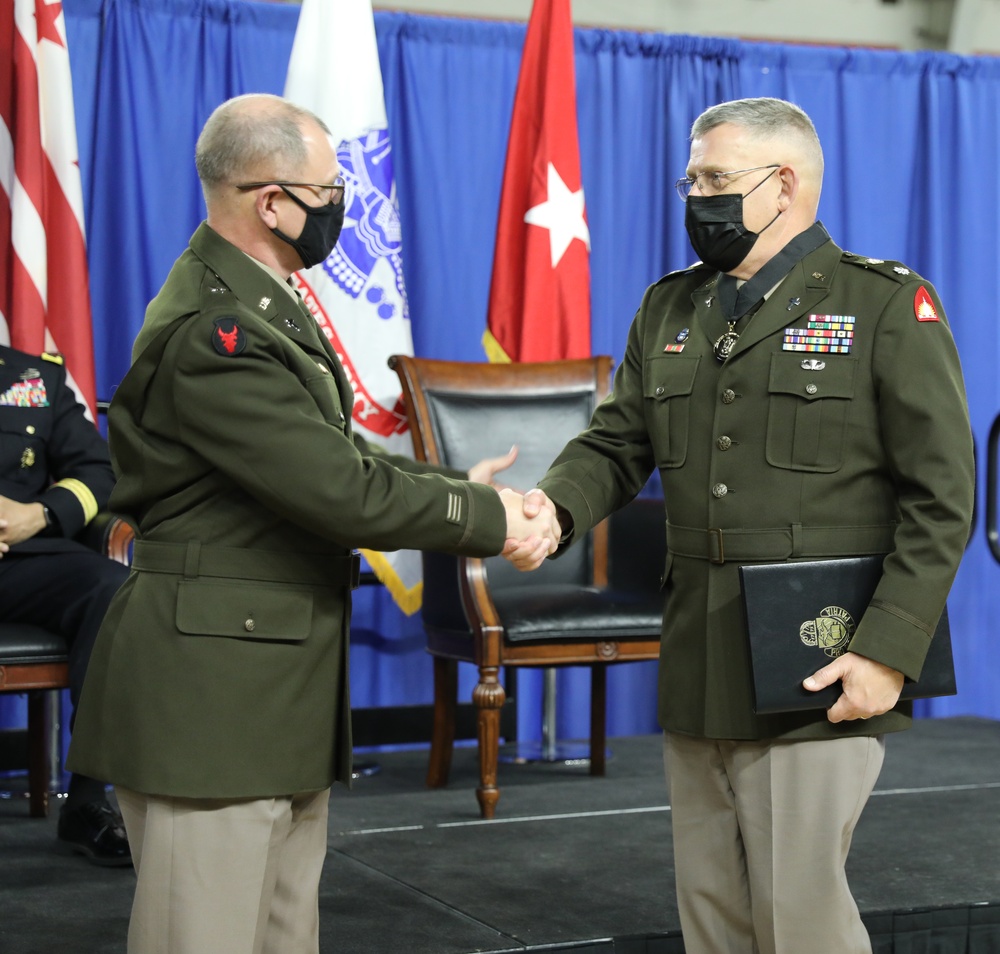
217 695
799 402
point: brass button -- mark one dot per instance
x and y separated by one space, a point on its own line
724 443
720 490
728 396
250 625
659 391
30 429
811 389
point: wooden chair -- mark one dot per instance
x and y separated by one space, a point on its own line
36 662
570 611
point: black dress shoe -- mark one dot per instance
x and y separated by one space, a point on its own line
95 830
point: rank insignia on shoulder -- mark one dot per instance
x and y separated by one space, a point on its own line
228 338
923 307
54 358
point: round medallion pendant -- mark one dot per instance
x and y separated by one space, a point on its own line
724 345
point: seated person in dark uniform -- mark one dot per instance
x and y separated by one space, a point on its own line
55 475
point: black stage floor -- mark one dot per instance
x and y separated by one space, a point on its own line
571 863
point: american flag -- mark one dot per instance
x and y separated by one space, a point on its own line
44 294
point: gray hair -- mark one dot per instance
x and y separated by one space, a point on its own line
765 118
253 137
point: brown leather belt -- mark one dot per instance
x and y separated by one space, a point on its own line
192 560
722 546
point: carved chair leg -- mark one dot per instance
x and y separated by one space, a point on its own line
488 697
443 733
39 730
598 718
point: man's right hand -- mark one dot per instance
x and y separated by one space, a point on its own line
533 531
527 553
19 521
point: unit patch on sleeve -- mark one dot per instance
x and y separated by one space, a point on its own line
831 334
228 338
923 307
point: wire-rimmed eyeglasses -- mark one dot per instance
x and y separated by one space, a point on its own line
710 183
328 192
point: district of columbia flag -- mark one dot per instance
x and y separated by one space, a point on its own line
357 295
44 292
539 305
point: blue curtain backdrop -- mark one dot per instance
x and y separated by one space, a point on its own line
912 149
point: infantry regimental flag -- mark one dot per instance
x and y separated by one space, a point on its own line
44 292
357 294
539 307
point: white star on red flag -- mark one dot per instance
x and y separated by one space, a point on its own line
562 213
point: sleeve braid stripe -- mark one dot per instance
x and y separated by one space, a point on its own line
83 494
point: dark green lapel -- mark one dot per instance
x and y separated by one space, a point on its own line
805 286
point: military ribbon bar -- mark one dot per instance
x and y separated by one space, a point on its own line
830 334
30 393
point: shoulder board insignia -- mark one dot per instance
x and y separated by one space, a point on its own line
54 358
228 338
890 269
691 269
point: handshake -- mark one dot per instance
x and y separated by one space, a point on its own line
533 529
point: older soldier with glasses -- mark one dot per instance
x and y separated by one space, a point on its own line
777 386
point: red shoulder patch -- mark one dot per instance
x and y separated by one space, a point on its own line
228 338
923 307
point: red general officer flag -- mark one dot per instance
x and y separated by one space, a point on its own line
539 306
44 293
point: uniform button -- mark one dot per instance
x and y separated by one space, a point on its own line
30 429
249 625
323 367
724 443
811 389
720 490
658 392
728 396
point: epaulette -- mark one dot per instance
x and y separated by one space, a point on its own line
215 292
52 356
691 269
897 271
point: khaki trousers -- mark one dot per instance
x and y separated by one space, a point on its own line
225 877
761 834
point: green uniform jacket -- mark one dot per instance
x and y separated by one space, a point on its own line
221 668
792 455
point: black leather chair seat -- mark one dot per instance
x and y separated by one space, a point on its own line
22 644
568 613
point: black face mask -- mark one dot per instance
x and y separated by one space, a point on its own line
319 233
715 227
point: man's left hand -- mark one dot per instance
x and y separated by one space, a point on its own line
19 521
486 470
870 688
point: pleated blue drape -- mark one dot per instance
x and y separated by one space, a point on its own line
912 149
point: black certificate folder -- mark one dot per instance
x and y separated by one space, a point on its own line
801 616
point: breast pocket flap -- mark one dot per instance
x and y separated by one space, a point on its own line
669 375
813 378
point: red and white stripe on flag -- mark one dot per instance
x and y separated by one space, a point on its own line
357 295
539 306
44 294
